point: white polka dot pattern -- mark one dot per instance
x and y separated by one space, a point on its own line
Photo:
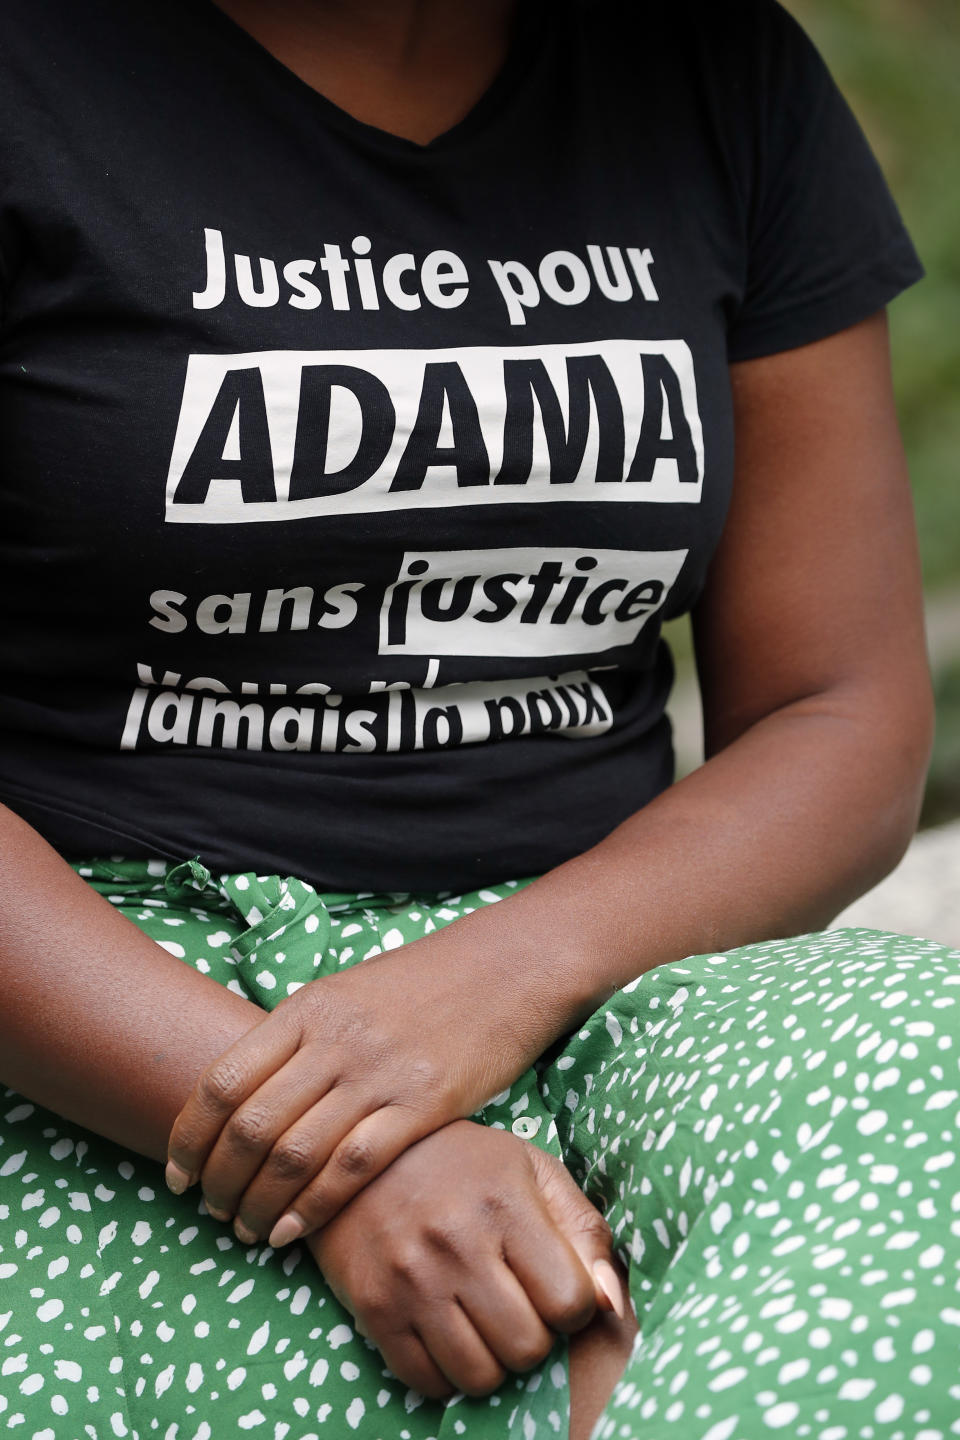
772 1134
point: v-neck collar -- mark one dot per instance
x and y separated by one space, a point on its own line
526 42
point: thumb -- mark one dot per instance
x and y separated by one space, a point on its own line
583 1227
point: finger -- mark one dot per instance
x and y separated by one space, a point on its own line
459 1352
584 1228
363 1153
406 1355
221 1087
288 1167
551 1273
262 1132
503 1316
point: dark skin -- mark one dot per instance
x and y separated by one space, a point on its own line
811 656
413 68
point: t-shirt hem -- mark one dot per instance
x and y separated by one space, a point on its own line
117 833
853 299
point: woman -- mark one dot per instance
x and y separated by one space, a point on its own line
401 348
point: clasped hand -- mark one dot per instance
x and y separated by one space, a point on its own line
467 1257
316 1100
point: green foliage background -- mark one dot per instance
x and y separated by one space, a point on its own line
898 63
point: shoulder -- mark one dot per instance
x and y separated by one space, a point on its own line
717 18
67 38
723 73
730 38
737 54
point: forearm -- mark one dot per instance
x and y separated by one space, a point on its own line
97 1022
810 652
772 837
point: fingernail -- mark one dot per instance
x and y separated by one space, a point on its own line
287 1228
609 1282
177 1179
244 1234
217 1214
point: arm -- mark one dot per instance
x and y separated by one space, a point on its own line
122 1068
816 692
507 1252
818 716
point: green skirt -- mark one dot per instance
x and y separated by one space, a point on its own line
771 1133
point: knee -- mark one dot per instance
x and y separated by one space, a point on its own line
876 1001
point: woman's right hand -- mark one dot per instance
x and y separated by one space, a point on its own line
466 1257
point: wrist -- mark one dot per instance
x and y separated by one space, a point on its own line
535 977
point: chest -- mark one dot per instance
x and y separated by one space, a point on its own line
276 378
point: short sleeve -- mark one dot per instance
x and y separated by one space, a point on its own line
826 244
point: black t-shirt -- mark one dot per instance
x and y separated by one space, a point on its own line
346 482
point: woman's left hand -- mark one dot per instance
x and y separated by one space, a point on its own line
315 1101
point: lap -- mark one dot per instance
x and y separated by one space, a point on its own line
770 1134
129 1311
773 1135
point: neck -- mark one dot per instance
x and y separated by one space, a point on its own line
414 67
404 32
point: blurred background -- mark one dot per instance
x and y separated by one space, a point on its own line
898 63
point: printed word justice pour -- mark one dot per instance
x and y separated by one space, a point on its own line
440 278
